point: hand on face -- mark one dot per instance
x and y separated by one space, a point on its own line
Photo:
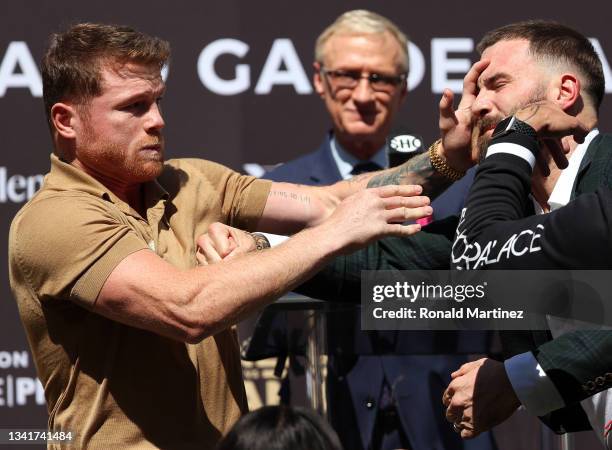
552 123
456 126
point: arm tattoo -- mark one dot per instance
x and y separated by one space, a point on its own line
301 198
417 170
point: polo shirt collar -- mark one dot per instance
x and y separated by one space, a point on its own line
66 177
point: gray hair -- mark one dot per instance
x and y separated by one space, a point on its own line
361 21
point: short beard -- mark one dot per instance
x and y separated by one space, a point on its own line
480 141
109 154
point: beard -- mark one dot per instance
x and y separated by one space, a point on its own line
139 163
480 139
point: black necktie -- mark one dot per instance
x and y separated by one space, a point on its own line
367 166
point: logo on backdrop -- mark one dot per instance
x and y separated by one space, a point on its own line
450 58
17 390
18 188
406 143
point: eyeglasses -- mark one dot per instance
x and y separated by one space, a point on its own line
348 79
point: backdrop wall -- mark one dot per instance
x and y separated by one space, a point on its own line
239 91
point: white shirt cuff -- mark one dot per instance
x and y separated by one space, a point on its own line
275 239
534 389
512 149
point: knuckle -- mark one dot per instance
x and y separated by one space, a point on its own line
215 227
454 405
204 242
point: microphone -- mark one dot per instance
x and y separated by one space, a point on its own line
402 145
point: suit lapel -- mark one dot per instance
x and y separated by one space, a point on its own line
593 171
324 169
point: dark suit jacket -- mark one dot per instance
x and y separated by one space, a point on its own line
418 380
574 361
314 169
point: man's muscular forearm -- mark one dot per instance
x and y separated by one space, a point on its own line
417 170
310 205
191 304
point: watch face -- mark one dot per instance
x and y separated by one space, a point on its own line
503 127
513 125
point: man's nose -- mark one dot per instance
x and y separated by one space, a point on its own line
155 121
363 92
482 105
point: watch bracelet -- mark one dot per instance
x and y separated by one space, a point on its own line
261 241
440 165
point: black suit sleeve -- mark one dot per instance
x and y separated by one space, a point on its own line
495 232
341 279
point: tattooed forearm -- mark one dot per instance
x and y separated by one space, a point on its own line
358 179
417 170
301 198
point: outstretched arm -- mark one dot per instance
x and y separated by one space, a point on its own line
146 292
291 207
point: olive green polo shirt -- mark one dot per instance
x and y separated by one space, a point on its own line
112 385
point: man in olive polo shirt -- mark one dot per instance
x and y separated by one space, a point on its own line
131 339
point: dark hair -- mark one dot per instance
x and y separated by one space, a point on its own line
281 428
553 41
71 66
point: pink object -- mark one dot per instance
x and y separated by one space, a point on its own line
424 221
607 428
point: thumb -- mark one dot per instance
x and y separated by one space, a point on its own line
447 112
465 368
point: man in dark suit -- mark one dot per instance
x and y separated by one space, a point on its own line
378 396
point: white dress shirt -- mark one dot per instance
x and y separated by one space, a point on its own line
346 161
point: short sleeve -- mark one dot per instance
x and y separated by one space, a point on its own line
66 246
242 197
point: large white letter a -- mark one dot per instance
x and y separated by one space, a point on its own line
18 53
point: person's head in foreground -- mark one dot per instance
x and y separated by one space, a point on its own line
281 428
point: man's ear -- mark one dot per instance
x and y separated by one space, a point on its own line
317 79
569 91
63 118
